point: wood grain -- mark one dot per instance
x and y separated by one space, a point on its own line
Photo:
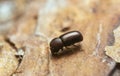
95 19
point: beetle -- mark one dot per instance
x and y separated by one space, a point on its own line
64 40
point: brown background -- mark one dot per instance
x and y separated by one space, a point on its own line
33 23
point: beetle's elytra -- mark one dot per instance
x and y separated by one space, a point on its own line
64 40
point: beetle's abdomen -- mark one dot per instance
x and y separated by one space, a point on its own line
71 38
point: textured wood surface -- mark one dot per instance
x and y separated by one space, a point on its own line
44 20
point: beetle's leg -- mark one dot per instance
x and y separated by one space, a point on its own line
62 49
75 45
67 47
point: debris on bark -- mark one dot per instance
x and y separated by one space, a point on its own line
114 51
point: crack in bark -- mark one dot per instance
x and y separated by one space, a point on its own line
19 60
12 45
7 40
98 40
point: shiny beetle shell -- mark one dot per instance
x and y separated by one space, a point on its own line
64 40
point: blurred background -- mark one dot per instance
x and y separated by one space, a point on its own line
12 10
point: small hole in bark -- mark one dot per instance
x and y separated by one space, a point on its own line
36 17
65 29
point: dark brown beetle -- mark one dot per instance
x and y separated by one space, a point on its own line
64 40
